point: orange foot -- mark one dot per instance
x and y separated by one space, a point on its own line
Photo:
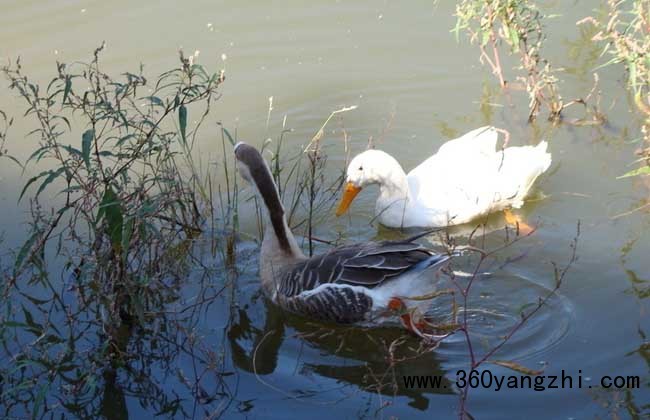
420 328
513 219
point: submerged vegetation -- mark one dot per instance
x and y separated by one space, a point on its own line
516 27
626 34
132 244
128 195
111 251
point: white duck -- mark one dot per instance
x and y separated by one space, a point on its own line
466 179
365 283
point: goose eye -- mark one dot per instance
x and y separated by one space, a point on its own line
361 168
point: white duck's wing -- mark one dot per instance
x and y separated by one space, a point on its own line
470 146
442 187
482 141
334 286
468 178
484 184
511 174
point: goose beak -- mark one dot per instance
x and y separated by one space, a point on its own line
349 193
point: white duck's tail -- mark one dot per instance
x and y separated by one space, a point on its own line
520 168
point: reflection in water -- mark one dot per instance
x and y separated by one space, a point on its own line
113 404
624 401
480 228
373 360
181 369
631 402
583 52
266 342
376 360
189 357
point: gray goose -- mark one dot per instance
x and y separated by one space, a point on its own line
366 284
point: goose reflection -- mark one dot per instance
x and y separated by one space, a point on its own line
373 360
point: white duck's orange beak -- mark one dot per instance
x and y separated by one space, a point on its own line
349 193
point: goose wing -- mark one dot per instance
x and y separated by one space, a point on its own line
367 265
333 286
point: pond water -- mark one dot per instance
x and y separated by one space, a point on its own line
414 87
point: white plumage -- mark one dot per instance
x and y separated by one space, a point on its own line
467 178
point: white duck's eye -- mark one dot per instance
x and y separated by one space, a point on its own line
361 168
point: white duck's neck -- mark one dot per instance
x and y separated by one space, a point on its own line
394 191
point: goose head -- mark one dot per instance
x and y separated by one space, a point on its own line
367 168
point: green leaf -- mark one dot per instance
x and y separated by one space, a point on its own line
24 251
485 37
632 77
125 138
456 30
645 170
199 68
13 324
155 100
38 153
29 320
86 141
182 120
36 301
514 39
72 150
110 208
51 177
70 189
38 401
148 207
30 182
230 139
68 87
12 159
65 368
53 339
126 237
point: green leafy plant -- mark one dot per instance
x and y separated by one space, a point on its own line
516 26
4 128
126 203
625 30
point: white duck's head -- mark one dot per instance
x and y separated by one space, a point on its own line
367 168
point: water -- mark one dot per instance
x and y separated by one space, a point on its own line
414 87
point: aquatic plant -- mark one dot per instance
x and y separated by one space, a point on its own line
6 124
476 243
624 28
110 249
517 27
